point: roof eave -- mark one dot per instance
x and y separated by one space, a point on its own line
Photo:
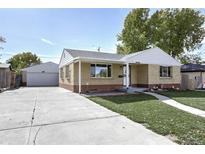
98 60
161 64
189 71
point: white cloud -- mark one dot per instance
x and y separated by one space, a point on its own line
46 59
47 41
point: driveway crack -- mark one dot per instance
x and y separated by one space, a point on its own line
35 137
61 122
32 119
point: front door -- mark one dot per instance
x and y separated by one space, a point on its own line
124 75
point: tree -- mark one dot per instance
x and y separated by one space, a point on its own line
191 58
134 35
2 40
173 30
23 60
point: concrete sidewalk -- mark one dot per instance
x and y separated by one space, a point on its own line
52 115
175 104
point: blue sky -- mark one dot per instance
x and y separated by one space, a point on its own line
47 31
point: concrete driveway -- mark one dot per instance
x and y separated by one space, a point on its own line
53 115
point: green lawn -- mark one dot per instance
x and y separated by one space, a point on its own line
191 98
157 116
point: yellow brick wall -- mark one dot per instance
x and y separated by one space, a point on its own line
87 80
133 74
154 75
64 80
140 74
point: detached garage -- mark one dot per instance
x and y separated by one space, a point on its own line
45 74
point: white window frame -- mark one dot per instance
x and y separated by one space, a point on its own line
67 72
107 71
167 71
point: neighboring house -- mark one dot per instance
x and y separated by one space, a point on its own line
86 71
7 77
193 76
45 74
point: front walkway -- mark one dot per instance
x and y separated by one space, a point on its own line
180 106
52 115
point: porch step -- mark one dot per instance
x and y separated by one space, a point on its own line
133 90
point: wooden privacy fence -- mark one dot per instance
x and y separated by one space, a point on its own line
7 79
13 80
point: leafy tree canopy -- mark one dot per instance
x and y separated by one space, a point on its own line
191 58
23 60
2 40
172 30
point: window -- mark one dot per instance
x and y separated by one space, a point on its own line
92 70
100 70
67 73
61 73
165 71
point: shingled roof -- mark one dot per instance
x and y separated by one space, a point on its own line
149 56
92 54
193 68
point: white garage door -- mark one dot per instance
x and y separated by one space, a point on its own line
42 79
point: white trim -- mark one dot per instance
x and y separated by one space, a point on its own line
63 58
127 75
79 77
92 60
124 75
154 56
166 77
138 57
70 62
107 71
167 71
